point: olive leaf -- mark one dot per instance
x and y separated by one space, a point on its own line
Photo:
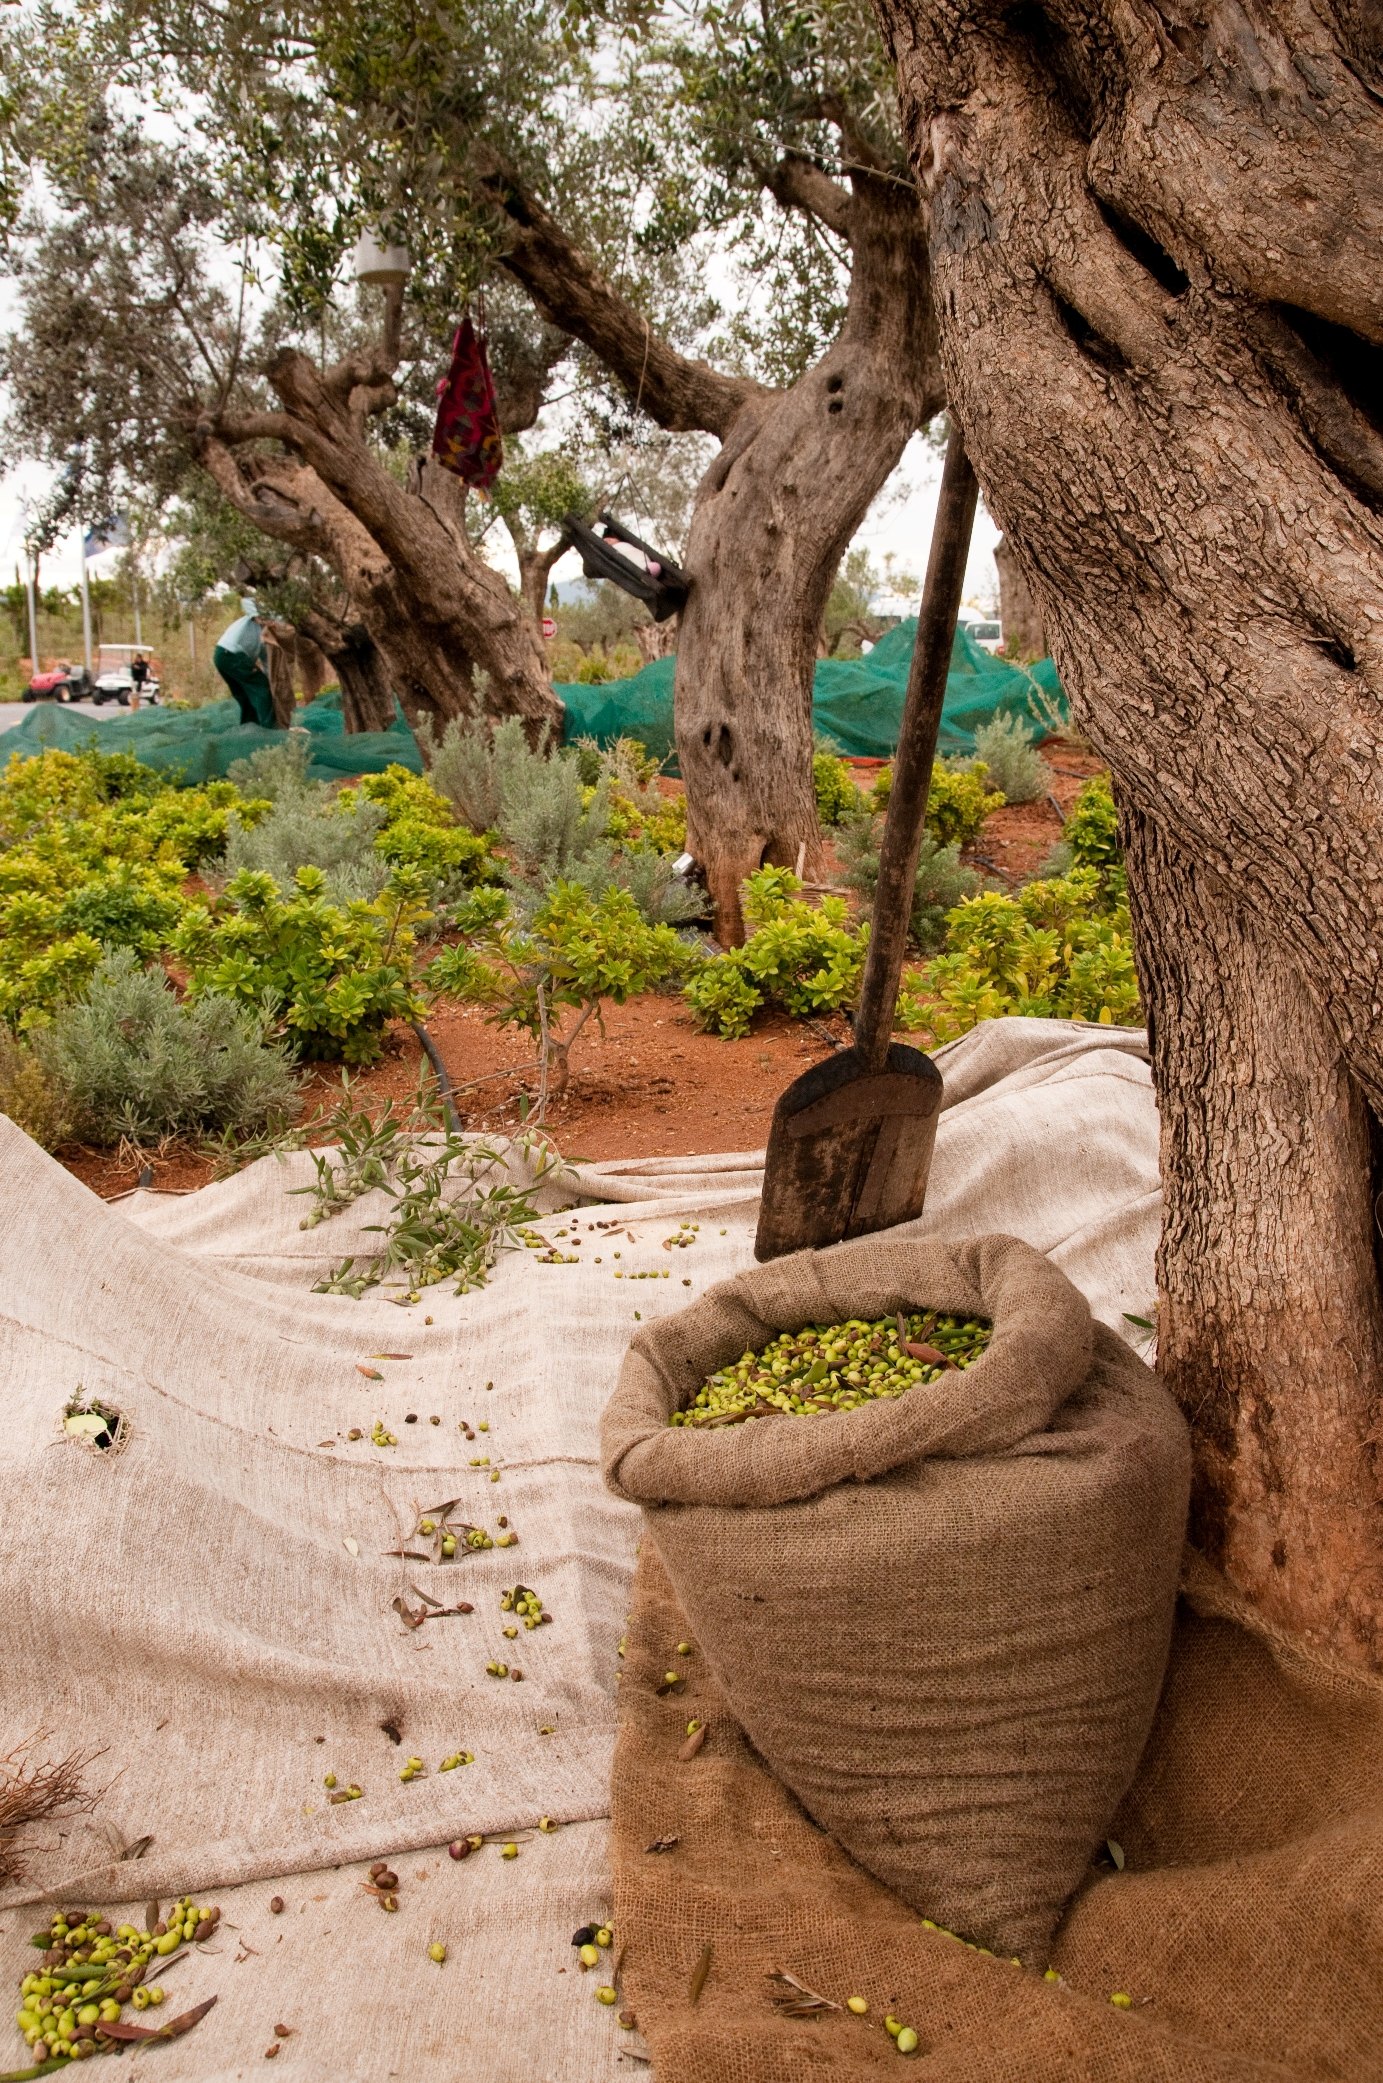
794 1999
173 2030
699 1973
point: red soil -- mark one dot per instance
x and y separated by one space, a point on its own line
652 1085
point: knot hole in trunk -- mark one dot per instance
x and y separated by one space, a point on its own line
724 743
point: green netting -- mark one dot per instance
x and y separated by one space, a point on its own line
200 744
858 702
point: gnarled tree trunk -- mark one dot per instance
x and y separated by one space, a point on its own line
1155 236
367 697
795 476
774 515
435 609
1018 611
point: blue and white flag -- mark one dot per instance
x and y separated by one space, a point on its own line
113 534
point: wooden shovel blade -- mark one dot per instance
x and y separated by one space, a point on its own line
849 1151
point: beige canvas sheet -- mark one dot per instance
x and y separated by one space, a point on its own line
203 1607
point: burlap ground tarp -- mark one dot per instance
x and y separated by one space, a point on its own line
194 1609
1246 1927
945 1621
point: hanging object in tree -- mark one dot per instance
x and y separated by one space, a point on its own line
634 566
378 266
466 439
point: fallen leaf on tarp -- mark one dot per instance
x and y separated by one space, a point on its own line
137 1849
930 1354
350 1544
391 1356
794 1999
370 1373
173 2030
662 1844
1141 1321
699 1973
151 1915
406 1554
418 1592
692 1744
406 1613
439 1511
1116 1853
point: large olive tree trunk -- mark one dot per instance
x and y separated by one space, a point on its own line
434 608
431 603
346 649
795 476
773 516
1018 611
1155 240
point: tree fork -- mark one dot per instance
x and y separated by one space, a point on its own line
795 476
1270 1328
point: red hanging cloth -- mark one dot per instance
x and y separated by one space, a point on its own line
466 438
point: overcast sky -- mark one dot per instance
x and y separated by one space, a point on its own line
900 525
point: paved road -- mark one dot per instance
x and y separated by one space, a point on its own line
15 712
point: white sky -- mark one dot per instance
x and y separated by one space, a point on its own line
901 525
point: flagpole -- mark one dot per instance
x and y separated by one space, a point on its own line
31 594
86 598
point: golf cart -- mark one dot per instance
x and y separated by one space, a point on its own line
985 630
59 683
114 679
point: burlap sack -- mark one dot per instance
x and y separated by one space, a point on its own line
954 1668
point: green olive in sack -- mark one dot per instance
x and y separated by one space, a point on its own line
837 1367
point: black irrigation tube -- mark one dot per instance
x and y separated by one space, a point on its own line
439 1071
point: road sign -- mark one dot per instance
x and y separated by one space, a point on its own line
549 626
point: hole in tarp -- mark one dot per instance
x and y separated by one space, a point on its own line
95 1424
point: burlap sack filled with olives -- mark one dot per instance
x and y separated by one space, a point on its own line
942 1618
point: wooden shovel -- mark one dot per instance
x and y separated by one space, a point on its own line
851 1142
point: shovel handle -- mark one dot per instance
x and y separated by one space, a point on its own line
912 771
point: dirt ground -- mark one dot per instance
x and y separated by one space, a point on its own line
653 1085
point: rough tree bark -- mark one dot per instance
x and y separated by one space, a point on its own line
657 639
1018 611
795 475
1155 236
278 666
311 665
346 646
433 606
535 569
